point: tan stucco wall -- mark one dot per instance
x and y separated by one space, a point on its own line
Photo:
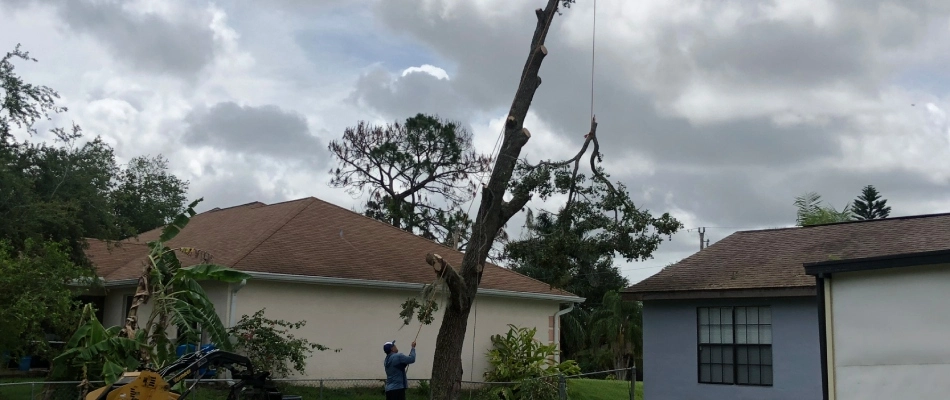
360 320
889 333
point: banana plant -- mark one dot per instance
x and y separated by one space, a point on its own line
177 296
178 300
95 352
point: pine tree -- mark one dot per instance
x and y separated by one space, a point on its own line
870 206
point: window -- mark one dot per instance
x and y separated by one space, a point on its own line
735 345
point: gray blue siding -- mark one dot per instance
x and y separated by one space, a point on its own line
670 364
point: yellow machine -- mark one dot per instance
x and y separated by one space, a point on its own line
142 385
158 385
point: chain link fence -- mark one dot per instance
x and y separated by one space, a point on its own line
617 381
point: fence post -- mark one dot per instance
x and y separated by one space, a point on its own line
32 395
562 386
633 381
321 389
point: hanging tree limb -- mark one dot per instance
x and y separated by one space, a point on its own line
453 281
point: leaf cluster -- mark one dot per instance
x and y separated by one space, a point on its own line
271 346
22 104
579 241
417 173
37 295
519 358
423 307
811 210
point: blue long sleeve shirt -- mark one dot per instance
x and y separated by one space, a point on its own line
395 365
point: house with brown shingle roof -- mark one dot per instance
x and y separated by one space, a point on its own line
343 273
740 318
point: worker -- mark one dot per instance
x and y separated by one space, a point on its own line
395 365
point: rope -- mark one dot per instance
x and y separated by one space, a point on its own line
593 51
471 372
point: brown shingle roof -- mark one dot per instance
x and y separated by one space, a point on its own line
773 258
306 237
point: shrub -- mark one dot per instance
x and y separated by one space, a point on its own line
271 347
518 357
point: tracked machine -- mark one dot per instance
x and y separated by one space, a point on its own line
160 385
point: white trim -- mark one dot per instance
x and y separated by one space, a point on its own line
326 280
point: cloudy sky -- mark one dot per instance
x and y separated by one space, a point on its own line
720 112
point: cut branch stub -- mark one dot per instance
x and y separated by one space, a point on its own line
436 262
453 280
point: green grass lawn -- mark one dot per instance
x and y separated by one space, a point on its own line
17 392
595 389
577 389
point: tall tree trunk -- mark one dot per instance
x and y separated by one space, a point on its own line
493 213
447 361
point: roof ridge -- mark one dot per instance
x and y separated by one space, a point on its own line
867 221
216 209
267 234
787 228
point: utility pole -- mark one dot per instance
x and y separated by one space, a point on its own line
702 233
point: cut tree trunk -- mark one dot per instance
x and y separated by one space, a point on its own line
493 214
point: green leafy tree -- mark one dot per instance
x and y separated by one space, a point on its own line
69 189
147 196
417 173
60 193
869 205
23 104
567 251
518 357
271 346
38 286
811 211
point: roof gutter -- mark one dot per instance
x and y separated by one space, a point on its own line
232 305
324 280
121 282
557 327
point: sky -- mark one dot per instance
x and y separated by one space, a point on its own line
718 112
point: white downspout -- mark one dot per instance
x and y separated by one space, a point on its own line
557 328
232 308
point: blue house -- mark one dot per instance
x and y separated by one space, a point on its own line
740 319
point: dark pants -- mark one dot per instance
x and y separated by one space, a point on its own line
397 394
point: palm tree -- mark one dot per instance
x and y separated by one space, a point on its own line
616 327
811 211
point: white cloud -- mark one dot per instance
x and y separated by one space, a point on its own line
427 69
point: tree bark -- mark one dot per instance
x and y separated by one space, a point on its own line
493 214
